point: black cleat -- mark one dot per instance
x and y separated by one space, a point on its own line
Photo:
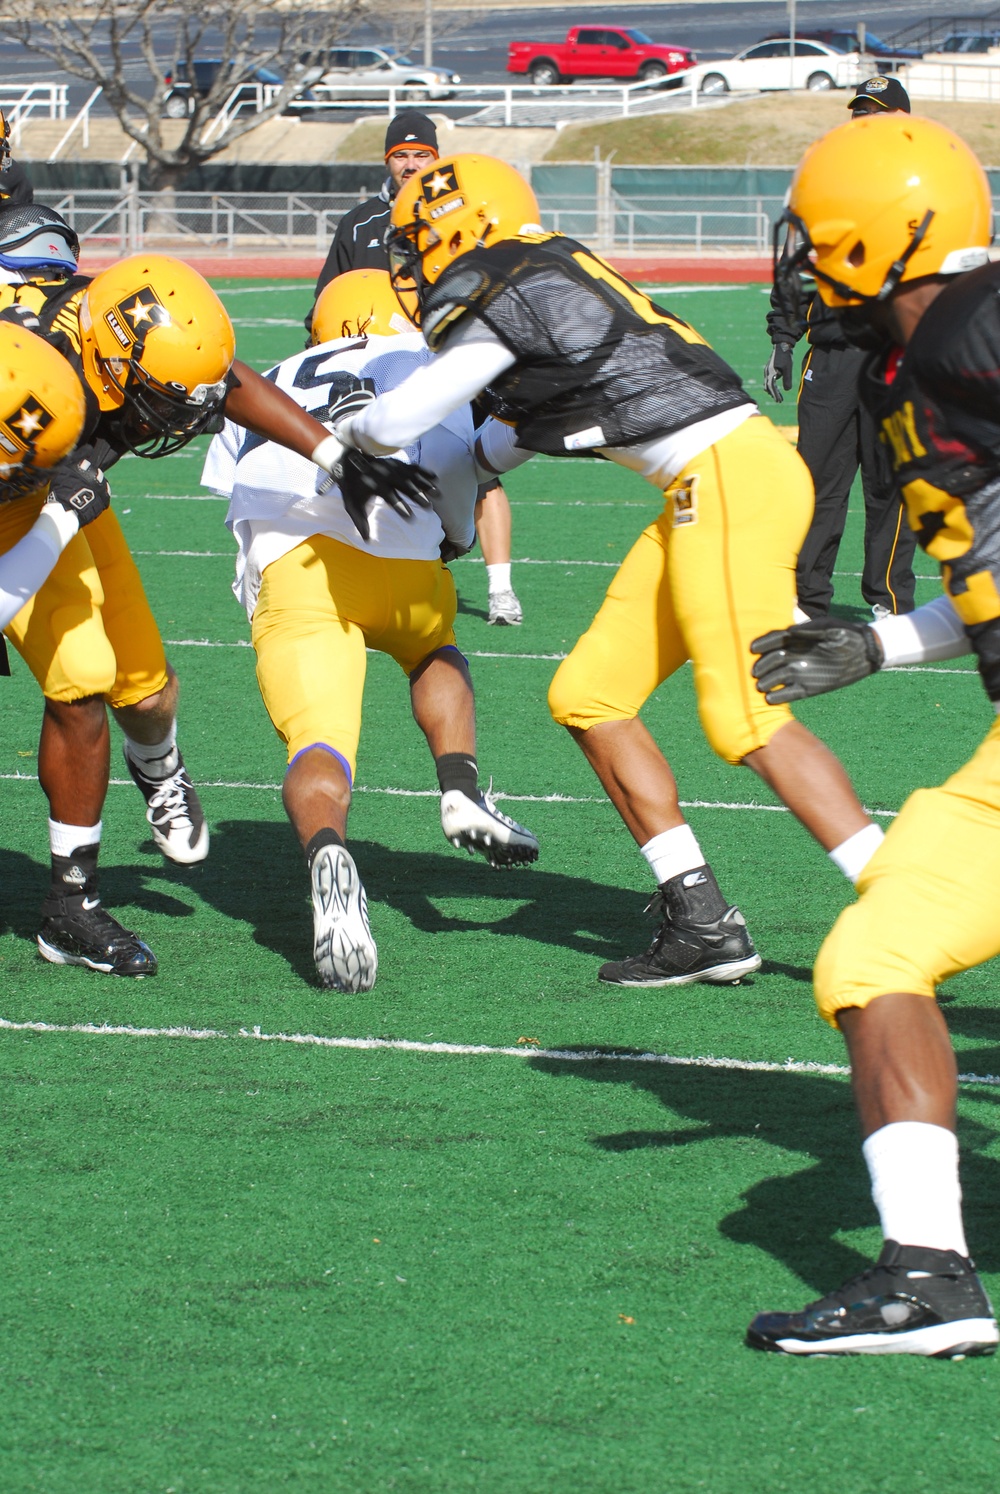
174 812
77 931
912 1301
683 952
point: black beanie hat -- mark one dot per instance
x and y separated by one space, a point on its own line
411 129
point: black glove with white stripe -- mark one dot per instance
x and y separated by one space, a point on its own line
80 486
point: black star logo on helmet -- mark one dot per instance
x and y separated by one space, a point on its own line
27 423
438 182
134 315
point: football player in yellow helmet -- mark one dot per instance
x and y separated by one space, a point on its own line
583 364
894 217
361 303
14 184
42 410
155 350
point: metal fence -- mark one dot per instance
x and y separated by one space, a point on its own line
125 222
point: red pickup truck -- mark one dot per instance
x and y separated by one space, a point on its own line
598 52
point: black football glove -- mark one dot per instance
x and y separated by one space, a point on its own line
363 478
80 486
779 366
813 658
21 316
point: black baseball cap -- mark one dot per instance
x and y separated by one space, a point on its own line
411 130
886 93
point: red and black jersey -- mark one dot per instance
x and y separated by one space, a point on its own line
598 363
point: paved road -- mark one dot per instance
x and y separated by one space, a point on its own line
475 44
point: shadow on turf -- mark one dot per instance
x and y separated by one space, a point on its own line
25 882
256 873
793 1216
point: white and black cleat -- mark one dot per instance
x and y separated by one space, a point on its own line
343 947
174 812
505 610
477 826
911 1301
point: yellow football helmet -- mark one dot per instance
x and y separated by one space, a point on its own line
42 410
4 141
158 345
458 204
358 304
882 200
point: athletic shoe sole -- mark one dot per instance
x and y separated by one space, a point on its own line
483 830
963 1339
343 947
724 974
56 956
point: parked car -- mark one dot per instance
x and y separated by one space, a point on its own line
970 41
343 71
598 52
769 65
847 41
184 89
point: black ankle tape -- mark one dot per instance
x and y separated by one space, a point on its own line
694 896
457 770
324 837
77 872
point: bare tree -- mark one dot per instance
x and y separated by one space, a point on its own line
119 45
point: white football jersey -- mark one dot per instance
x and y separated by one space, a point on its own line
274 502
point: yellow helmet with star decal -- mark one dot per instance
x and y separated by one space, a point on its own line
358 304
458 204
42 410
4 141
157 345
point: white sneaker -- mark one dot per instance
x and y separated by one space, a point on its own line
343 947
505 609
478 826
174 812
878 612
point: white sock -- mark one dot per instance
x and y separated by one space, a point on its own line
498 578
65 839
672 852
157 759
914 1172
854 853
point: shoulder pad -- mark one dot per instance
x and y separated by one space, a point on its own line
455 294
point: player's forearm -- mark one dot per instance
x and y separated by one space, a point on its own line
27 564
931 633
432 393
261 407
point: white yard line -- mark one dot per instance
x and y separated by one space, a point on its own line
455 1050
404 793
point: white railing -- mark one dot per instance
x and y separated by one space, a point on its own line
81 121
953 79
20 101
126 221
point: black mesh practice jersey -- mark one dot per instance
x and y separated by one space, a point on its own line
938 412
598 363
56 303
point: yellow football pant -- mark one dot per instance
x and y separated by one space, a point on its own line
320 607
929 896
714 571
88 629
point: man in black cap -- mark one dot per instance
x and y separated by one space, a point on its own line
410 146
836 435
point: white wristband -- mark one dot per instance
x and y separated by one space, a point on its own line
328 453
62 521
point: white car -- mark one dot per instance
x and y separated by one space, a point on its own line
357 72
769 65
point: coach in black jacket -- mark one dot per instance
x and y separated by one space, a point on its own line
836 435
359 243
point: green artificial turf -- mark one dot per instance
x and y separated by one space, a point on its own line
242 1265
